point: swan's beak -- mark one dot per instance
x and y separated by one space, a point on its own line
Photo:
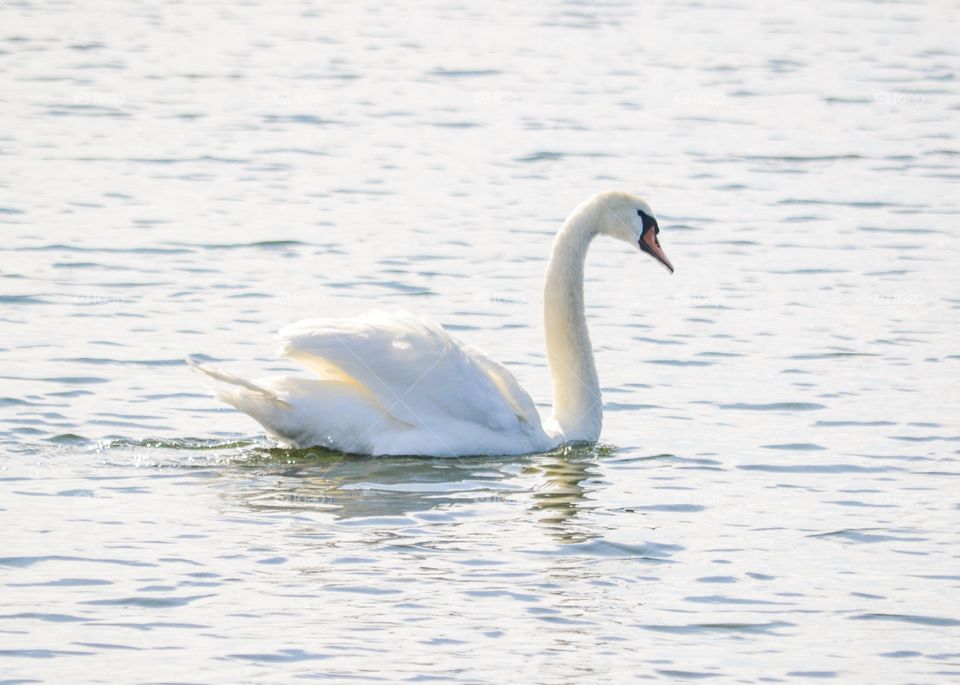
650 245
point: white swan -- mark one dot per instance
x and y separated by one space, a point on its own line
393 383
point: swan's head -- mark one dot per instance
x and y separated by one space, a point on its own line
629 218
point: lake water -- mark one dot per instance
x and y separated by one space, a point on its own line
775 495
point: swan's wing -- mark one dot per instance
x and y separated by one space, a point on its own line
518 398
413 368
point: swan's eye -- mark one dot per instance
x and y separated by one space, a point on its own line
648 222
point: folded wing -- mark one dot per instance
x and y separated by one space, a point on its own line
413 369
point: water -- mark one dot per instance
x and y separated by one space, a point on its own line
774 498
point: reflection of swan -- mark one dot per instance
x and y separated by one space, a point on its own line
397 384
554 485
321 481
564 493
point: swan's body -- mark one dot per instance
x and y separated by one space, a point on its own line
393 383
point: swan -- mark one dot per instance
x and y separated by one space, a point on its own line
391 383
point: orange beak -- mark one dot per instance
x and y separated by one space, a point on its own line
651 245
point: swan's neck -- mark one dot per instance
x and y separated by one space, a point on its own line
577 405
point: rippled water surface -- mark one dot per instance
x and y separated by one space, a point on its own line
775 495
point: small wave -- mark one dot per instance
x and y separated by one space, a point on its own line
179 443
863 535
650 551
121 362
59 247
723 599
67 380
908 618
283 656
147 602
17 402
23 562
463 73
46 618
258 244
309 119
763 628
908 231
815 468
551 156
677 508
679 362
839 424
774 406
22 299
832 355
40 654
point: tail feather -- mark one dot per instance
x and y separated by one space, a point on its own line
227 377
303 412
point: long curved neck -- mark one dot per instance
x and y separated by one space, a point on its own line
577 405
